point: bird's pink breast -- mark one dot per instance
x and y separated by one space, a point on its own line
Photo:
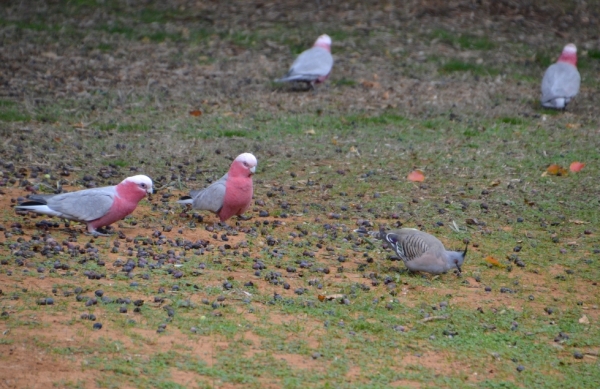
127 198
238 196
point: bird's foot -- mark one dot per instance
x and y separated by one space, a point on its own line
244 218
99 232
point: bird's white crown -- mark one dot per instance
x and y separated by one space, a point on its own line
570 48
250 159
140 179
324 39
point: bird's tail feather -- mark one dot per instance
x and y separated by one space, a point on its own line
185 200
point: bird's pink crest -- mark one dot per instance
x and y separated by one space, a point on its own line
569 55
324 41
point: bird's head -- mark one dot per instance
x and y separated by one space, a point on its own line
569 54
140 181
324 41
244 164
456 258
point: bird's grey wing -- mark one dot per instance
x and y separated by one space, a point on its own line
84 205
560 80
310 65
410 244
210 198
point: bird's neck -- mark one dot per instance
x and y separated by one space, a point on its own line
323 46
569 58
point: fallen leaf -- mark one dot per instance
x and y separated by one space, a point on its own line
495 183
493 261
310 132
416 176
196 112
79 125
556 170
584 320
572 126
576 166
371 84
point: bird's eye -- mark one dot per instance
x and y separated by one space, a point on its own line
246 164
143 185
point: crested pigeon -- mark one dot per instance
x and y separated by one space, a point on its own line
421 251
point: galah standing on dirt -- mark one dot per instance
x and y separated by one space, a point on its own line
231 194
561 80
421 251
96 207
313 65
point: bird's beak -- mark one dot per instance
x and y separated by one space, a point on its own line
459 269
465 252
150 191
253 169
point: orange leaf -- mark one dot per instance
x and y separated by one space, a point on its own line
196 112
576 166
556 170
321 297
493 261
416 176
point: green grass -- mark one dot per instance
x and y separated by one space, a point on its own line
455 65
328 160
12 115
464 41
594 54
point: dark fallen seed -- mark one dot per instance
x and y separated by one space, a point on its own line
123 310
578 355
92 317
97 326
520 368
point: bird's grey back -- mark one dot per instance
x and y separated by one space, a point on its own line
310 65
210 198
411 244
560 80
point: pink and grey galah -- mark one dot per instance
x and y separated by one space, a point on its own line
561 80
313 65
96 207
229 196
